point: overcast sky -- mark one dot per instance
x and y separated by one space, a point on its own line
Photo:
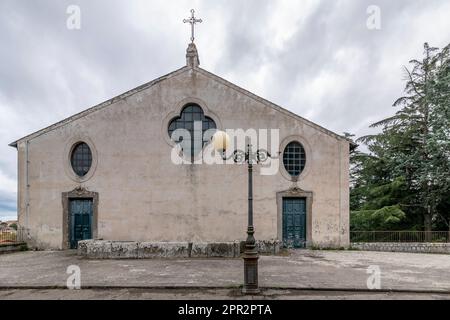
316 58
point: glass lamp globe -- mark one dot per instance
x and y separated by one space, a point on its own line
221 141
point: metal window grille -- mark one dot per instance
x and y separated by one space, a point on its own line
81 159
191 114
294 158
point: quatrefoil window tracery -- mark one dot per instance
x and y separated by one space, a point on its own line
193 120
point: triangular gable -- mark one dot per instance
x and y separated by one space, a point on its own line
165 77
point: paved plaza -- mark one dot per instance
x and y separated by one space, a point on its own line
295 274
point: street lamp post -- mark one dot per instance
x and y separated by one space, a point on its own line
251 255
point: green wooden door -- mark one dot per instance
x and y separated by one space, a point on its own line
80 221
294 222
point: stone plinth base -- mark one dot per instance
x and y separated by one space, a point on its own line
104 249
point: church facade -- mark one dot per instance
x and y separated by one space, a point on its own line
109 172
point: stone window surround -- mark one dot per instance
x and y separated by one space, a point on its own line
295 193
81 158
175 112
70 145
78 193
308 157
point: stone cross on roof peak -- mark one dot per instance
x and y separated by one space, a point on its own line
192 20
192 59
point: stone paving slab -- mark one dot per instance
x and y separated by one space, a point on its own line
339 270
211 294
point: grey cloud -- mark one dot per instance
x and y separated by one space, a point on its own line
48 72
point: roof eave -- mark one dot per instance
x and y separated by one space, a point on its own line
274 105
352 144
151 83
100 105
13 144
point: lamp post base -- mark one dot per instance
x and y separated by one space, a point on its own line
251 272
250 291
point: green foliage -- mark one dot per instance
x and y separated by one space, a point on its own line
386 218
389 216
361 220
404 179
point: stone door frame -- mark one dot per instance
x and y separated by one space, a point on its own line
295 193
78 193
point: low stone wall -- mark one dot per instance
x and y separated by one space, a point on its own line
403 247
104 249
13 247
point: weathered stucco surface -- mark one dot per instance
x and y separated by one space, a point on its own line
143 196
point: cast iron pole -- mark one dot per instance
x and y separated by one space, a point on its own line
251 254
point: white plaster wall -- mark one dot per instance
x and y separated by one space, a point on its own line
144 196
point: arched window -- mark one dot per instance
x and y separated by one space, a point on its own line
81 159
192 119
294 158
